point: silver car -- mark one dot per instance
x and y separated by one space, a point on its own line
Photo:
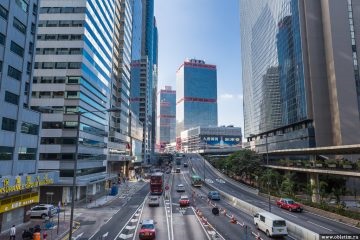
180 188
43 210
154 201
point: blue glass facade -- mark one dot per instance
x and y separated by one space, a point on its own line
273 72
136 30
85 80
196 95
166 116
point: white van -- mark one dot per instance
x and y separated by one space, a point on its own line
271 224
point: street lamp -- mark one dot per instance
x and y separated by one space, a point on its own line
204 146
267 163
73 192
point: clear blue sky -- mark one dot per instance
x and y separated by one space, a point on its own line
208 30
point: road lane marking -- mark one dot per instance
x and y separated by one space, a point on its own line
126 236
167 220
130 227
140 207
320 226
289 214
134 220
332 220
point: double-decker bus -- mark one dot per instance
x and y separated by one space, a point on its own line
157 183
196 181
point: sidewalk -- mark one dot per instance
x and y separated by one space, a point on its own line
60 231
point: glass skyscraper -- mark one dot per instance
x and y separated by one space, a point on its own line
293 75
196 95
166 132
74 73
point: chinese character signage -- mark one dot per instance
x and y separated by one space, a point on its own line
18 183
18 201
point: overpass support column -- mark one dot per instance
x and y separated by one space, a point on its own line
314 183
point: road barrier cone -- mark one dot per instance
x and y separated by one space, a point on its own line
233 220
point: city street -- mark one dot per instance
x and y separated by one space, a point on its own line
313 222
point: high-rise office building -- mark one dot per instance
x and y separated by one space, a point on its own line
74 73
19 132
119 128
196 95
300 72
144 77
166 122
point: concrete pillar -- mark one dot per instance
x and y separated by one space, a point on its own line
314 182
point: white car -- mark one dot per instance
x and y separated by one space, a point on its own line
154 201
43 210
180 188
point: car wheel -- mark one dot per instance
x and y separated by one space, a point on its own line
301 210
43 215
267 233
257 226
290 210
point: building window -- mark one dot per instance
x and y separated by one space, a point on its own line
2 39
31 47
72 94
74 65
61 65
33 28
27 153
19 25
35 9
27 88
6 153
14 73
29 128
23 5
3 12
11 98
8 124
28 67
15 48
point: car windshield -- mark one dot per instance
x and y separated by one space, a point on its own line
153 198
279 223
180 185
184 198
290 202
147 226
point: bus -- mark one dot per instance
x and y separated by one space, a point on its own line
196 181
157 183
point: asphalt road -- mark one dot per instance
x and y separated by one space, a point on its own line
243 230
308 220
185 223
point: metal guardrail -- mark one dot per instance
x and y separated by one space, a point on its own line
242 186
293 229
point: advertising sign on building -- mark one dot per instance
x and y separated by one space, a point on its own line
221 141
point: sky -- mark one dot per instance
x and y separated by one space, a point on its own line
208 30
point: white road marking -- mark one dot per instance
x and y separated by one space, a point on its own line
78 236
320 226
140 207
126 236
332 219
105 235
136 215
289 214
209 180
134 220
130 227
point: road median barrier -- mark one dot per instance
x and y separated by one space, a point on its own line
293 229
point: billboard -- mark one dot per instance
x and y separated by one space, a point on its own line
213 141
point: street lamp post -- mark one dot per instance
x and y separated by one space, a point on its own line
267 163
73 192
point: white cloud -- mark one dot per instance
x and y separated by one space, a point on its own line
227 96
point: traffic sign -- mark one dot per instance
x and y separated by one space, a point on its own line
167 187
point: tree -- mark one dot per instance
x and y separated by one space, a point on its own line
288 185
